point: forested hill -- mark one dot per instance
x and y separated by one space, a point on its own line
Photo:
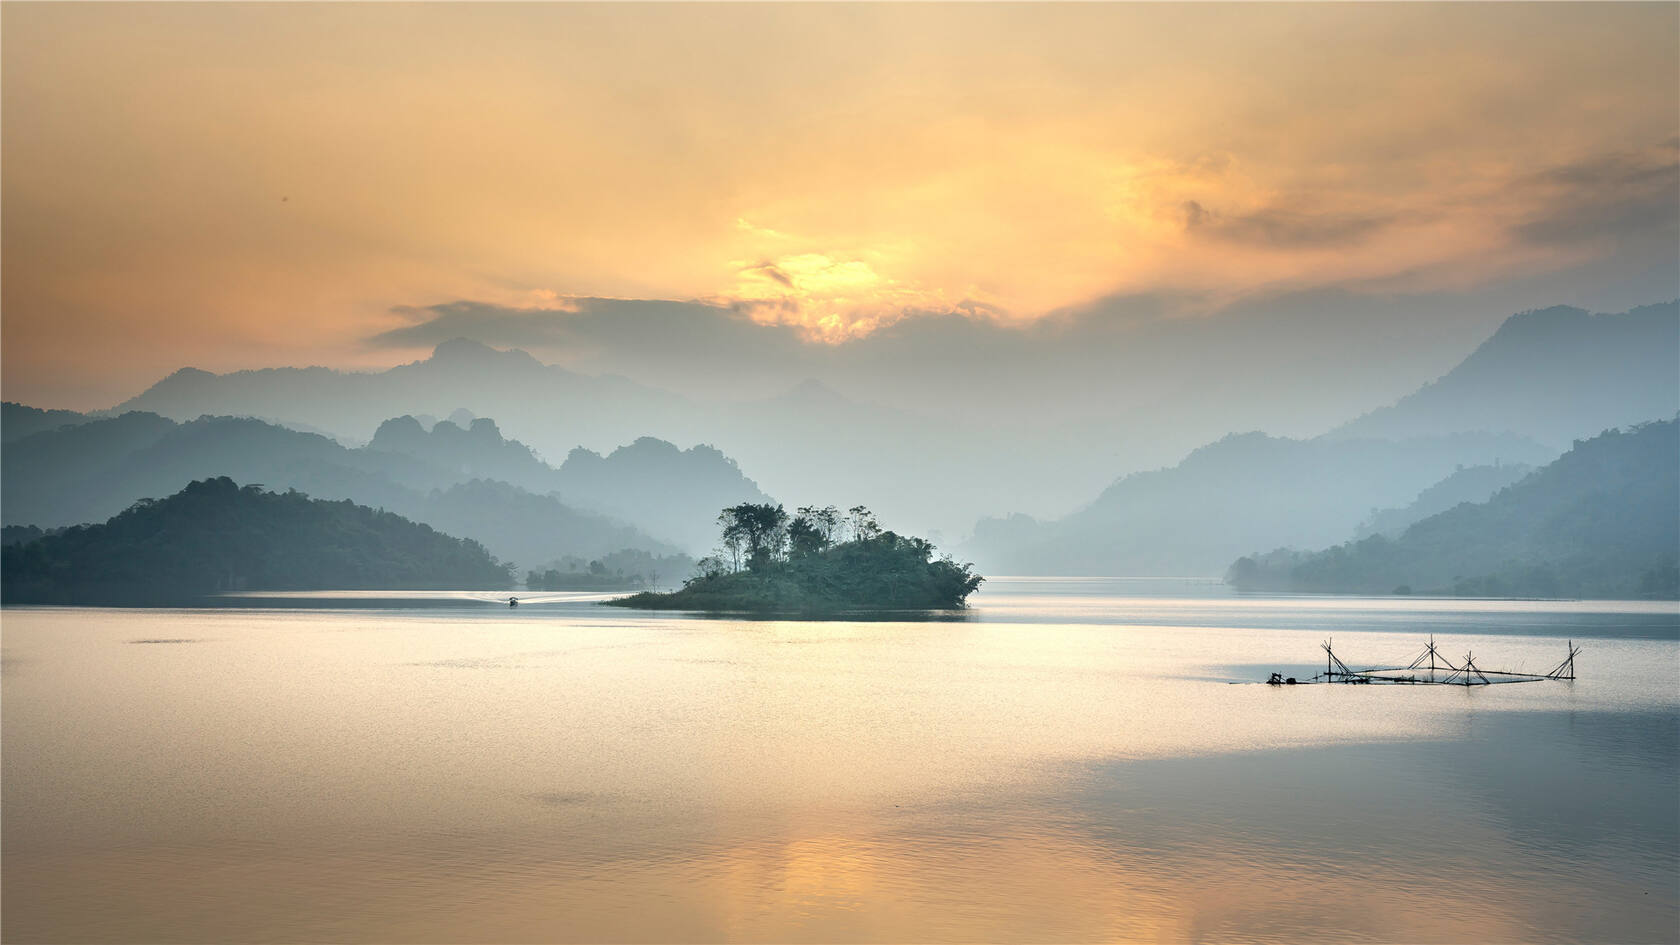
214 536
18 421
1601 521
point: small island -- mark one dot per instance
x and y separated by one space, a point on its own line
819 561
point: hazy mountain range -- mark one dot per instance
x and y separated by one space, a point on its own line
1557 374
1466 484
1196 517
923 463
1600 521
18 421
467 482
807 445
1542 380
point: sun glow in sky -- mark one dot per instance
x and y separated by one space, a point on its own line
235 185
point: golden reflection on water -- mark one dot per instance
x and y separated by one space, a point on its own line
835 887
565 775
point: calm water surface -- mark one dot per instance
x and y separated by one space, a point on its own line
1069 761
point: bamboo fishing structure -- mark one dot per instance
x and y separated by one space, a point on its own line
1430 668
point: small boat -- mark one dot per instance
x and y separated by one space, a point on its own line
513 602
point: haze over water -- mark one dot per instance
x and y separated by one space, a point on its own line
1068 761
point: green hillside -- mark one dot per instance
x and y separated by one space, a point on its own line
1603 520
214 536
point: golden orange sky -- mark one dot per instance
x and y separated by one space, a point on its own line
243 185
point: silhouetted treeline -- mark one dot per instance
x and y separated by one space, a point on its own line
820 560
214 536
20 420
628 568
24 534
1603 520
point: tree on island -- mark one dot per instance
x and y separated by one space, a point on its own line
817 560
756 530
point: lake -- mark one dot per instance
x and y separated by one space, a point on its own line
1069 760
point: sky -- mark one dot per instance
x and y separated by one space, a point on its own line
688 193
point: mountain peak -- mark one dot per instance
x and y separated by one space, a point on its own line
461 348
1553 374
646 446
465 351
398 434
485 429
187 378
1540 322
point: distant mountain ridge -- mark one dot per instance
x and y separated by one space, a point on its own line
805 442
1603 520
1547 377
1467 484
92 471
1544 378
18 420
650 483
508 384
1554 374
1183 521
477 451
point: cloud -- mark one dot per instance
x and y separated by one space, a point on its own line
830 297
685 344
772 271
1617 196
480 321
920 158
1122 353
1282 227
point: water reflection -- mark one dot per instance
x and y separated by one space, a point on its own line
483 775
1542 818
